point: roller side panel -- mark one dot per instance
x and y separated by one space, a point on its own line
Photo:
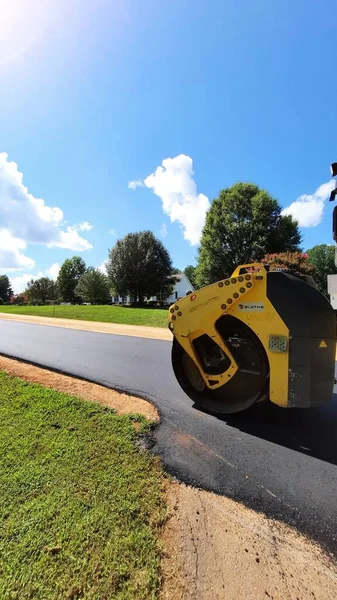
312 328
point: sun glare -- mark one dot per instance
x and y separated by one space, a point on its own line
22 23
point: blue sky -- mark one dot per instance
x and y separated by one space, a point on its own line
97 94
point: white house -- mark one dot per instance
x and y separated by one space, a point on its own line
332 290
181 287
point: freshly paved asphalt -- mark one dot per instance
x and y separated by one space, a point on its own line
282 462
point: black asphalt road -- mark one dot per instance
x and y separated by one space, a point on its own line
282 462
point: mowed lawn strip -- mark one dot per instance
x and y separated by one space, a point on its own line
152 317
80 506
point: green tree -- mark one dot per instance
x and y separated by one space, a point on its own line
243 224
40 290
190 273
93 287
5 288
322 258
70 273
140 265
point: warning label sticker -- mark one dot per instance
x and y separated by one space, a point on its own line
251 306
322 344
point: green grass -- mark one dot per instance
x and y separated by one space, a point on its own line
105 314
80 505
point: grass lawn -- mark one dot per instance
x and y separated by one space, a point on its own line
153 317
80 505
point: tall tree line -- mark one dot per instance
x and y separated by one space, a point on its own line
244 224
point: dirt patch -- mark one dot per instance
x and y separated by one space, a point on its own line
154 333
216 549
121 403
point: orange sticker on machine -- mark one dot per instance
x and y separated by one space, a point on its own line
322 344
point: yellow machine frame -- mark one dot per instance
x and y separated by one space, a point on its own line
243 296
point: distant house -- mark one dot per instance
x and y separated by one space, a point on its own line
181 287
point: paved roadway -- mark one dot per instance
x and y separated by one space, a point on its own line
282 462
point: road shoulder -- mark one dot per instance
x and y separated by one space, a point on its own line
121 403
216 548
154 333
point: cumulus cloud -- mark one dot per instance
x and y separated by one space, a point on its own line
163 230
173 183
136 183
20 282
112 232
53 271
102 267
26 220
84 226
308 208
12 257
69 240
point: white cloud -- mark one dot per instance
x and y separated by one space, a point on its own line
53 271
102 267
174 184
163 230
11 256
84 226
28 220
133 185
308 208
69 240
19 283
112 232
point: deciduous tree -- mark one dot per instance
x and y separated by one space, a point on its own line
190 272
69 275
93 287
322 258
243 224
5 288
41 290
140 265
296 262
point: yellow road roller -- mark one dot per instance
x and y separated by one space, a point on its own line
259 335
